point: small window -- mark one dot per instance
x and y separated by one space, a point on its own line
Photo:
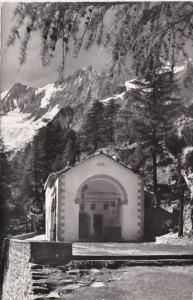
112 204
106 206
93 206
82 206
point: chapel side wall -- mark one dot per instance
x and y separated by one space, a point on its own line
60 206
141 210
51 192
48 213
131 215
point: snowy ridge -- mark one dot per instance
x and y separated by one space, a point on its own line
130 85
49 91
179 69
3 94
25 109
18 128
118 98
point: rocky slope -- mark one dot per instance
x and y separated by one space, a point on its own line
26 109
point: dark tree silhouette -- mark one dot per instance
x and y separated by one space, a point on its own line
5 192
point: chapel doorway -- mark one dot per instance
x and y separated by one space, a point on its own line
84 226
100 199
98 225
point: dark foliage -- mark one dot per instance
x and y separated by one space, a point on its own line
53 147
93 130
155 108
5 192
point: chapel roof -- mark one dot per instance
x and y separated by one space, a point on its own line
53 176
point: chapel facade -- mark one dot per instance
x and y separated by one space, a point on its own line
98 199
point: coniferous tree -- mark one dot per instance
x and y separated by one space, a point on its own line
125 132
69 153
52 148
5 192
110 114
93 130
28 179
5 195
34 174
156 105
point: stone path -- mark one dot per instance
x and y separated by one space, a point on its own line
125 283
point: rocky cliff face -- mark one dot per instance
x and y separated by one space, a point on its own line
26 109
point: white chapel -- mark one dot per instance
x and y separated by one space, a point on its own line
97 199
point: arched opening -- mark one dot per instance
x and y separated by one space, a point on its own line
100 199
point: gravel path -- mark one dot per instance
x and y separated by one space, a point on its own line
102 249
135 283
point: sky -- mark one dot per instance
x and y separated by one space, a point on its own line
32 72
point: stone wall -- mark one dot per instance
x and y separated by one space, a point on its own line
17 274
17 277
51 253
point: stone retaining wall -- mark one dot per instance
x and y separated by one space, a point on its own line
17 275
51 253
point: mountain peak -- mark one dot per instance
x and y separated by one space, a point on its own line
19 85
25 108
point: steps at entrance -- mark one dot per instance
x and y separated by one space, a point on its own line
134 257
118 261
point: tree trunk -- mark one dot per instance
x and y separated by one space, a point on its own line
181 220
95 145
190 186
154 155
157 201
35 173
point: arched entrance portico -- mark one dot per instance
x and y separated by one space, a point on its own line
100 199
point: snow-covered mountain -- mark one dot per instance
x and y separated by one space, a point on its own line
26 109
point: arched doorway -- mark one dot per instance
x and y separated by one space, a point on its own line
100 199
84 226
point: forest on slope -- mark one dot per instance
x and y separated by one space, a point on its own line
121 131
152 131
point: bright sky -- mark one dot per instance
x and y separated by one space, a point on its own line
32 73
